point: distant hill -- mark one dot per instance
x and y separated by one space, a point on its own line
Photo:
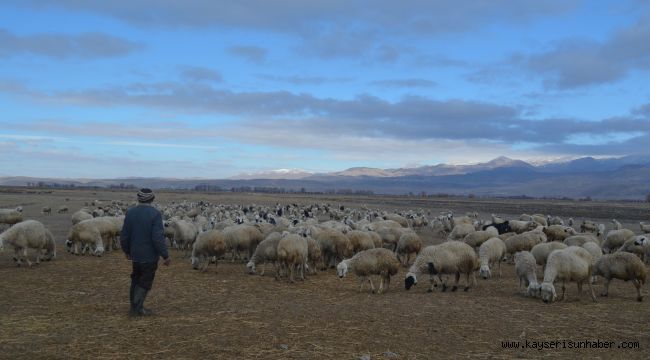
611 178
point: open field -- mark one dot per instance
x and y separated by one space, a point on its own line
76 306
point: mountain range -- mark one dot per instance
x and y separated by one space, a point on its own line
625 177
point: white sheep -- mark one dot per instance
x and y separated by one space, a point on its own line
596 252
185 232
524 241
637 245
408 244
379 261
476 238
293 253
11 216
580 239
333 244
541 251
558 232
209 244
623 266
644 227
491 252
85 236
29 234
459 231
526 270
520 226
452 257
617 224
265 252
360 240
570 264
80 216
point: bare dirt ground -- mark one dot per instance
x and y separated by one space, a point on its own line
75 306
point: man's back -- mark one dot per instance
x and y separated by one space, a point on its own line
143 236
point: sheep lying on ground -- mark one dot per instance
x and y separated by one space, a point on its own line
623 266
645 228
408 244
380 262
293 252
11 216
570 264
526 271
615 239
452 257
491 252
208 244
541 251
265 252
29 234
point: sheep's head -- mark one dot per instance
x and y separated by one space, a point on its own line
534 290
641 240
547 292
485 272
410 280
250 266
68 245
195 262
342 269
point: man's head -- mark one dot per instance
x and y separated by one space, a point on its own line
145 196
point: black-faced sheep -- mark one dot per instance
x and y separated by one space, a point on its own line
452 257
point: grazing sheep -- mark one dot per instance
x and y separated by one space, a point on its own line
380 262
293 252
645 228
46 210
526 270
109 228
491 252
314 254
80 216
521 227
524 241
570 264
558 232
615 239
596 252
85 236
29 234
623 266
360 240
390 235
265 252
580 239
333 244
452 257
11 216
408 244
541 251
208 244
475 239
242 238
184 232
459 232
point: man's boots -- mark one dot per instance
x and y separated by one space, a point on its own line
137 304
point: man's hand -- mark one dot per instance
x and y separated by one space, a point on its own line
128 257
167 261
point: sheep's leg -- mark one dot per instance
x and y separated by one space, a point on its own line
431 283
637 285
29 263
381 284
371 285
362 281
387 282
563 290
579 288
605 287
457 280
499 265
467 284
17 257
291 271
591 291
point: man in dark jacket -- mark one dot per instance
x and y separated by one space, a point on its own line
143 242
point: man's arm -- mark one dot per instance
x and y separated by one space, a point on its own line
125 237
158 236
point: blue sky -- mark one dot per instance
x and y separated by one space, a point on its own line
213 89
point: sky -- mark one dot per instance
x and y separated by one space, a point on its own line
212 89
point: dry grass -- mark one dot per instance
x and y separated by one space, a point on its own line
75 307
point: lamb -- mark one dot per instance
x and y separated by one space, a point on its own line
293 253
616 239
475 239
541 251
208 244
265 252
525 267
380 262
521 227
452 257
570 264
637 245
360 240
11 216
408 244
491 252
624 266
29 234
644 227
242 238
80 216
558 232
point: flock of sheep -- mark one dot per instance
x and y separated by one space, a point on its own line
297 242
